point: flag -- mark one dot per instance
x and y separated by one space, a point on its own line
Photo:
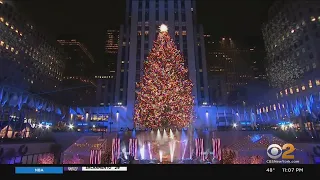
44 106
95 156
20 102
31 103
72 111
25 99
79 111
48 109
115 150
1 94
199 148
37 104
5 99
216 146
58 110
133 146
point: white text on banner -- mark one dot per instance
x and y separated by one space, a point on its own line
104 168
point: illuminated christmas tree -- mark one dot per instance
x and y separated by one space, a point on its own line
164 98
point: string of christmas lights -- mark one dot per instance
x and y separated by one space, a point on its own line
164 98
46 159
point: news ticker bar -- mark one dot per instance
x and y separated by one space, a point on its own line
60 170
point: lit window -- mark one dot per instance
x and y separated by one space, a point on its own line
176 33
303 88
184 33
310 84
313 18
200 70
291 91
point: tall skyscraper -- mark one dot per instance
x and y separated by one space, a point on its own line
112 41
229 67
143 18
79 88
291 38
80 61
28 60
216 77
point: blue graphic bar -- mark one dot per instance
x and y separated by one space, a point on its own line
39 170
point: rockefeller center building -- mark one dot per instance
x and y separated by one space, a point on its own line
292 40
140 30
27 61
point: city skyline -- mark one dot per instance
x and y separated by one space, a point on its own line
242 22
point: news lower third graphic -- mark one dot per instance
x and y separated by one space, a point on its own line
281 155
60 170
91 168
39 170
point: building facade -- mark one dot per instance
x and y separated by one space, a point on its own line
79 88
143 18
112 41
230 66
292 38
28 60
80 61
105 90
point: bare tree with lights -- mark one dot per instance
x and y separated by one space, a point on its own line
165 95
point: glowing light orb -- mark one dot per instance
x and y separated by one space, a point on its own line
163 28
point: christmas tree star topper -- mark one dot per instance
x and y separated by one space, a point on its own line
163 28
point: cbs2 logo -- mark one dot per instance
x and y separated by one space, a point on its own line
274 151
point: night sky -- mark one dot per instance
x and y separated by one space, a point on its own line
239 19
